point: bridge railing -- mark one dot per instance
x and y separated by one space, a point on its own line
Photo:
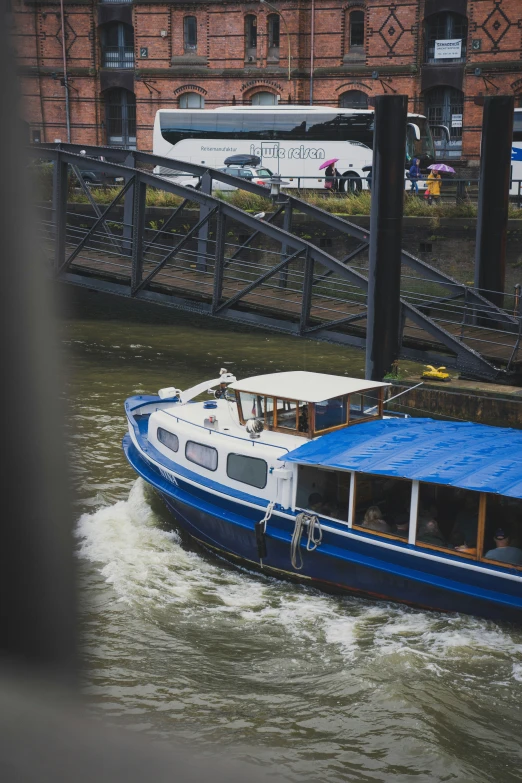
222 261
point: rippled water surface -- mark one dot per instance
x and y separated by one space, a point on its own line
180 644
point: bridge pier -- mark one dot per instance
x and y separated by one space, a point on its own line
384 278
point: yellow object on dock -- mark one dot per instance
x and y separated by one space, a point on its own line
435 373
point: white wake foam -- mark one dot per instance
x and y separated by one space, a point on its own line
147 565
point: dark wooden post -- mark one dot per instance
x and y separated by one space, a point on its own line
492 217
384 279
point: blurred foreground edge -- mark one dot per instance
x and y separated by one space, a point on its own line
45 734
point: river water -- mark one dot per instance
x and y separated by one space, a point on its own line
178 644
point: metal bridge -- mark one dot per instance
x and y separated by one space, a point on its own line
210 257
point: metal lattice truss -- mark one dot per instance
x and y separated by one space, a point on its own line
210 257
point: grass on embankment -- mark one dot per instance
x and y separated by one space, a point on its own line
338 204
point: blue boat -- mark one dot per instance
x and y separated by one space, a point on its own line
304 476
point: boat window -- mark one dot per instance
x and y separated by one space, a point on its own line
168 439
382 505
503 531
251 406
325 492
205 456
248 470
365 406
287 414
330 413
448 518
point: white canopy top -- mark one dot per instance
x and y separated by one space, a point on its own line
305 386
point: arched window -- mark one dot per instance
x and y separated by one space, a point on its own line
444 108
117 45
190 34
120 118
264 99
444 27
250 38
356 32
353 99
191 100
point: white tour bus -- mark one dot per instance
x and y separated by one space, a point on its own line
516 155
291 141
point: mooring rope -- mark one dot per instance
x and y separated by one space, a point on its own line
268 514
312 543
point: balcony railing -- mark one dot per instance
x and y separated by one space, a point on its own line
118 57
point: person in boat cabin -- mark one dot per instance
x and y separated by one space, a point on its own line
504 552
373 520
429 533
465 527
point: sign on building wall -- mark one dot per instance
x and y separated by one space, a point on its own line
450 48
456 120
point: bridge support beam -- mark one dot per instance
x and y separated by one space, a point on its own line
128 208
285 250
138 229
384 279
492 216
204 209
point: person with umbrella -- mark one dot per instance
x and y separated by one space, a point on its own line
434 181
331 174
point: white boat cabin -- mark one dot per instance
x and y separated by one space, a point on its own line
308 403
237 439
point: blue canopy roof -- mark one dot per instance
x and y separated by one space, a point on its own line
458 454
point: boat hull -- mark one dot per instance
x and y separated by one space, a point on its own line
338 565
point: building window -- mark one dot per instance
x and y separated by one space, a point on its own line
190 34
445 27
353 99
273 36
120 118
247 470
444 108
250 37
356 29
204 456
264 99
169 439
117 45
191 100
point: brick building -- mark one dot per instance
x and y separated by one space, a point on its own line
125 60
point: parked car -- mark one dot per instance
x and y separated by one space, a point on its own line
259 175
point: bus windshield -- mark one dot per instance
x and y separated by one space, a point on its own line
419 141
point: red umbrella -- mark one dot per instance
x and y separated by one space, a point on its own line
328 163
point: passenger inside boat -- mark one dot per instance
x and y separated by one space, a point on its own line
325 492
373 520
503 536
448 518
382 504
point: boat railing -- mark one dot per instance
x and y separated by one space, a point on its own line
253 441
